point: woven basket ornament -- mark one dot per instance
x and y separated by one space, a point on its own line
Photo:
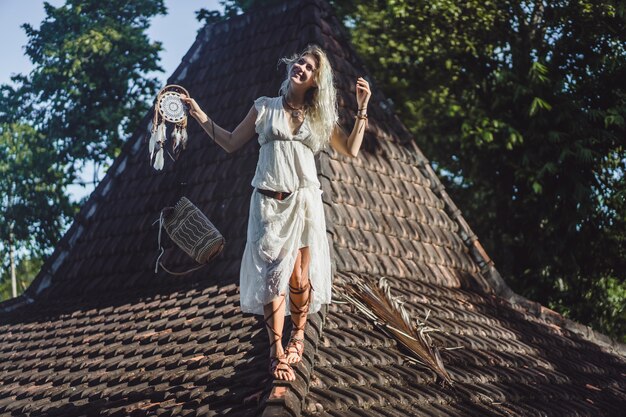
191 231
168 107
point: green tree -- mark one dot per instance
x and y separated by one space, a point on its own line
521 108
91 59
32 196
86 94
26 270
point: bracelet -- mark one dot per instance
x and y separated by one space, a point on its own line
363 117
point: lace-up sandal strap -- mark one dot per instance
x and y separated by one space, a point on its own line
297 344
299 310
267 324
277 337
304 307
279 363
299 290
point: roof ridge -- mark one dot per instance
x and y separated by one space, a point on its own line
289 397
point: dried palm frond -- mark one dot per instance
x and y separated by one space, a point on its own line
388 312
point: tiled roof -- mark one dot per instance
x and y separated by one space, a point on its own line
98 333
509 363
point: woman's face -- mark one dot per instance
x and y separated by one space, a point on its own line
303 72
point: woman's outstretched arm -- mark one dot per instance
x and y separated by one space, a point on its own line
350 145
230 141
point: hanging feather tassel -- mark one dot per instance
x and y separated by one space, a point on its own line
153 128
183 137
153 141
161 133
160 143
389 314
176 140
159 160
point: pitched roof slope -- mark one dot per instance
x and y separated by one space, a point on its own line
99 333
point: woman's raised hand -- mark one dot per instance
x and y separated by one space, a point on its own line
194 108
363 92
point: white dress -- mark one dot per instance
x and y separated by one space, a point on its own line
278 228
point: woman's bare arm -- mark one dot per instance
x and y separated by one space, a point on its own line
229 141
350 145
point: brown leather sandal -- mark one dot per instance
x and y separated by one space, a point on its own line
278 336
279 364
296 344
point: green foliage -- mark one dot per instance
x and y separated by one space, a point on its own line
32 199
26 271
91 62
521 105
86 94
231 9
235 7
32 195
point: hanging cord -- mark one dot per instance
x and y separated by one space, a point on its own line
161 250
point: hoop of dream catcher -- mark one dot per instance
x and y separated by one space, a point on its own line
168 107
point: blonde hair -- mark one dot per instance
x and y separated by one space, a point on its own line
321 100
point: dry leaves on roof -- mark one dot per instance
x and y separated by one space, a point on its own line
389 313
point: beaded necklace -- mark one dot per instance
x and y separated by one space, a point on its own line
295 113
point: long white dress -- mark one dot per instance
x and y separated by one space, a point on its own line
278 228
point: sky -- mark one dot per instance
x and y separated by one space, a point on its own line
176 31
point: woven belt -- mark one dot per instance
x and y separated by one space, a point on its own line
278 195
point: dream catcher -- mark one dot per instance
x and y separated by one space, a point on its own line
168 107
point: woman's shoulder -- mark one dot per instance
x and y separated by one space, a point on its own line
265 107
266 101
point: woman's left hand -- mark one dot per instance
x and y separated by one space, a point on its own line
363 93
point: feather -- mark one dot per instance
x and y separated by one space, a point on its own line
159 160
390 314
183 137
159 143
175 140
152 144
161 133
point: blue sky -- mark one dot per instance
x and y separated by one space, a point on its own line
176 31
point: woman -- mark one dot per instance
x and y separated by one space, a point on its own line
286 239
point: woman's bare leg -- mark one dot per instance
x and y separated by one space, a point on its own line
299 296
274 313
